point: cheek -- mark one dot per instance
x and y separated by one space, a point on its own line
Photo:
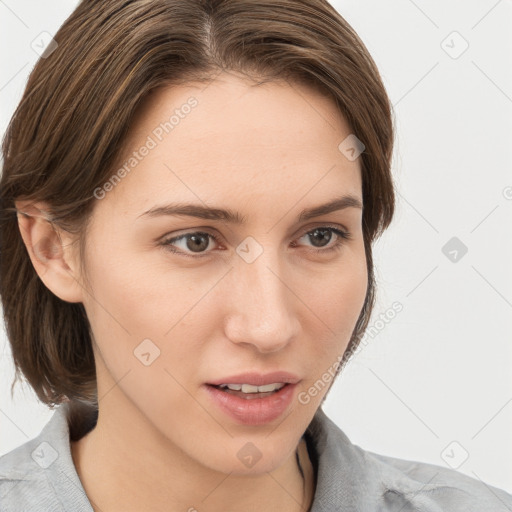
141 295
142 308
336 304
139 321
338 298
345 299
151 343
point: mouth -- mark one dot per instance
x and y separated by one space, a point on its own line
253 399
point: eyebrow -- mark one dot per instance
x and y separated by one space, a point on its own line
209 213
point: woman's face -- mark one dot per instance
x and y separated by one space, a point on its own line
180 302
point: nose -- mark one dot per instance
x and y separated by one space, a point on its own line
260 307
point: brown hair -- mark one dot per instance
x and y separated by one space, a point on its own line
80 100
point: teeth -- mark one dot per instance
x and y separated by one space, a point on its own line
268 387
249 388
234 387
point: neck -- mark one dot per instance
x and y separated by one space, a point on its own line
156 476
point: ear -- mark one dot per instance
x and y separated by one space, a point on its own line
51 251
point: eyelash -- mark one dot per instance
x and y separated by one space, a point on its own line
343 235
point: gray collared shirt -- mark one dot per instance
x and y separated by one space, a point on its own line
39 476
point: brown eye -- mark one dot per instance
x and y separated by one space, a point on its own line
321 236
196 242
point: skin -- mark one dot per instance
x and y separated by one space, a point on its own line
267 152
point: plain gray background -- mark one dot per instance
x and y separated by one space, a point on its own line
433 383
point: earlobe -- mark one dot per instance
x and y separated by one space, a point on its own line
50 251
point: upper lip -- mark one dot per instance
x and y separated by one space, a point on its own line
257 379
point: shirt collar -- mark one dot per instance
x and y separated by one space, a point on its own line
347 479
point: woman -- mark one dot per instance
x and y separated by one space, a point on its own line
190 376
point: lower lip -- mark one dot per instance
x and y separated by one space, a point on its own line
254 411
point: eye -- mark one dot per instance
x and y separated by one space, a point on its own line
194 244
324 234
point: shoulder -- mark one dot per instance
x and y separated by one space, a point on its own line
23 482
39 475
433 487
364 480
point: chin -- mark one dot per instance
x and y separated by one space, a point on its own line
251 457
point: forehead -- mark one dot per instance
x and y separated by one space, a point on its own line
213 140
231 108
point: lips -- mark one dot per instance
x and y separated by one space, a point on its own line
253 407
